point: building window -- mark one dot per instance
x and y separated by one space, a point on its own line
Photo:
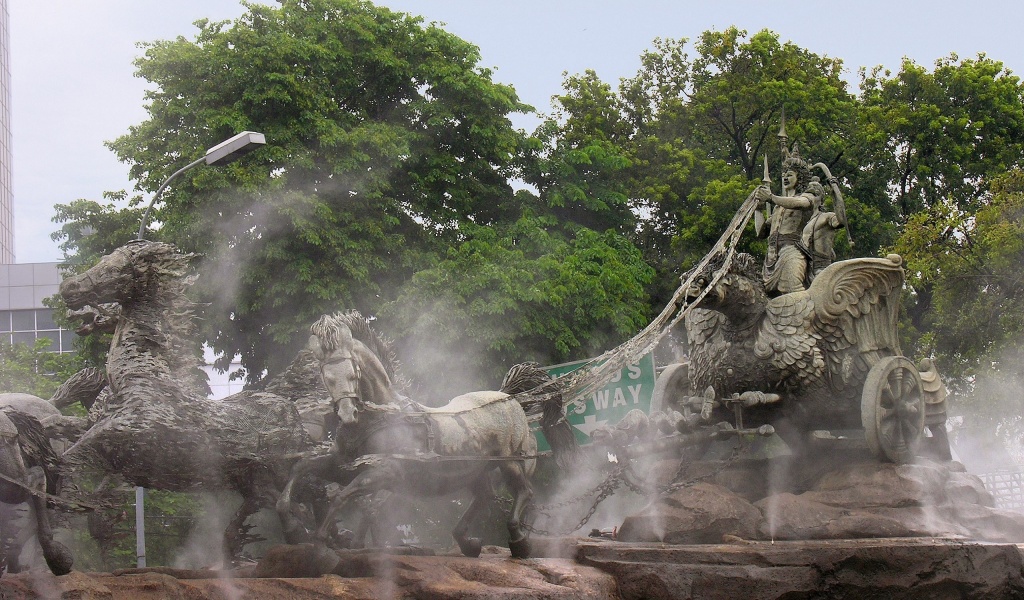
26 326
23 320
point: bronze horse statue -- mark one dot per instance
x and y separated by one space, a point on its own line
154 425
33 433
401 446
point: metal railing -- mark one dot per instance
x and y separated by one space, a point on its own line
1006 487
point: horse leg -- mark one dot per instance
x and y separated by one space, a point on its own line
372 526
482 494
367 528
58 557
522 493
367 482
12 536
236 533
292 528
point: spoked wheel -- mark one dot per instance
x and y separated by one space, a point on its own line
673 383
892 409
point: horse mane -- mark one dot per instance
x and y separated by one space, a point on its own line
167 275
329 329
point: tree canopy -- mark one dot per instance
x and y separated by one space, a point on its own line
393 182
387 145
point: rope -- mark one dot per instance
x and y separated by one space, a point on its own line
599 371
51 497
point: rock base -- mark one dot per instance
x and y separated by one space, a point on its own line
837 497
349 575
894 569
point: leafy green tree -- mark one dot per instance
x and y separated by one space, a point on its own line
35 369
684 140
974 322
940 136
577 162
971 261
384 135
935 141
519 293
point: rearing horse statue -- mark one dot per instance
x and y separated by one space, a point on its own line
404 447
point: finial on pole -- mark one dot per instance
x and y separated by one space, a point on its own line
767 178
783 136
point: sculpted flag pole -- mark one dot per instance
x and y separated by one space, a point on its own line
783 139
759 217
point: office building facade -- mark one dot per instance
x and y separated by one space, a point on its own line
23 317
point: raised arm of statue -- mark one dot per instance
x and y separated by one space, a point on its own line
800 201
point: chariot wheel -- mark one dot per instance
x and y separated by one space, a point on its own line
892 409
672 384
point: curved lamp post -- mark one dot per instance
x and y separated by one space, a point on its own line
223 153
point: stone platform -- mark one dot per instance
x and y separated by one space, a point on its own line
908 568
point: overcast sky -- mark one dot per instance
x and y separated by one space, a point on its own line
74 84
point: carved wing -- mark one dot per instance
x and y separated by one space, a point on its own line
856 304
707 346
788 339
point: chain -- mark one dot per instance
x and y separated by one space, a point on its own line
624 474
604 489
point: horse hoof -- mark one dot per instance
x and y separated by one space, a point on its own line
471 547
520 548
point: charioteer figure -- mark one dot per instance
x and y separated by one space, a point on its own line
785 265
801 234
820 232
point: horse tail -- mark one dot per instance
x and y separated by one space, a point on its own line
539 392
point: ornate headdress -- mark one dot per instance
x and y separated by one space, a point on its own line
799 166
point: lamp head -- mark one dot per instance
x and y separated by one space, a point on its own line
234 148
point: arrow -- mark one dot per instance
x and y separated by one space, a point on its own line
590 425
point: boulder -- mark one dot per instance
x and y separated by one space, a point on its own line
866 498
700 513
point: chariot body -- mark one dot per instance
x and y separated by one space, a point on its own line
825 358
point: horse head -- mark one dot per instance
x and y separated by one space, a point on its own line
334 348
129 273
351 371
738 294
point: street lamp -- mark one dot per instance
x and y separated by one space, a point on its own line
223 153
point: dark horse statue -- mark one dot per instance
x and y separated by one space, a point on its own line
398 445
28 471
155 426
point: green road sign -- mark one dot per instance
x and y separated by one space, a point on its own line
631 388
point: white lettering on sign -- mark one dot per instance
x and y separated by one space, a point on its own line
620 398
634 371
600 398
634 391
